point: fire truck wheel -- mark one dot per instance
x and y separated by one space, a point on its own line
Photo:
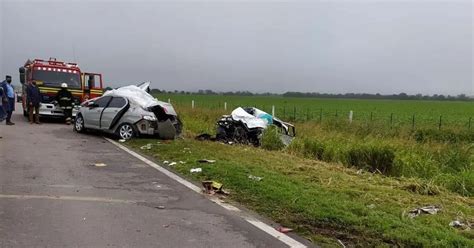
126 131
79 124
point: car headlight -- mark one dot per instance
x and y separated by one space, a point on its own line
149 117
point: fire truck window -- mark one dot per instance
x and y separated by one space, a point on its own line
91 81
117 102
55 79
102 102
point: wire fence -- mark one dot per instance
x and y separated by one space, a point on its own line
321 115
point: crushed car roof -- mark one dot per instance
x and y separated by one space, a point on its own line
138 95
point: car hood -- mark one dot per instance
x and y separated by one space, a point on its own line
137 95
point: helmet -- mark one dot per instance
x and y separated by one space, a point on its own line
64 85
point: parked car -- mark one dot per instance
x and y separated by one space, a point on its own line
128 112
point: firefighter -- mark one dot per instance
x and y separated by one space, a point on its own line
64 99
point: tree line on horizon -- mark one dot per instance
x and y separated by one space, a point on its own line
400 96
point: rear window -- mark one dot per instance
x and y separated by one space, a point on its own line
117 102
102 102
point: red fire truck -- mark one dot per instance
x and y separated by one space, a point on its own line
49 75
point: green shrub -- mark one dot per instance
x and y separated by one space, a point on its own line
372 158
271 139
313 149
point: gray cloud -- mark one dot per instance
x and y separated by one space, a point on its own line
336 46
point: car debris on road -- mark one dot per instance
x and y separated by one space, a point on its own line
213 187
424 210
195 170
255 178
209 161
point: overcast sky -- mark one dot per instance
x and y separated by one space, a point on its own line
416 46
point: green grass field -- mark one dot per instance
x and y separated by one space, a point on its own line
427 113
339 180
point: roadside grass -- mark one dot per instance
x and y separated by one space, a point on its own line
446 163
322 202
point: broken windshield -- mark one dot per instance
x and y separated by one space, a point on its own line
55 79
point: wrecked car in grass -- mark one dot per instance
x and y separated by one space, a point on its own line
246 126
128 112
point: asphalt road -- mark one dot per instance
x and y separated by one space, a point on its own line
51 195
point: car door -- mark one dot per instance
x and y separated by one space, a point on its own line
94 111
113 112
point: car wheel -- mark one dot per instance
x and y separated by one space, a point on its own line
79 124
126 131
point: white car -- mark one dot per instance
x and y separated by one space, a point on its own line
128 112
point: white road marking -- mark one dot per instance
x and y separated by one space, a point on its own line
260 225
68 198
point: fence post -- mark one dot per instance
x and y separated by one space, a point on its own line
294 112
225 105
336 112
391 120
273 110
192 104
169 100
413 122
284 112
440 119
351 113
371 117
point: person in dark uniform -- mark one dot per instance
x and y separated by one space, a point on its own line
9 99
33 97
65 101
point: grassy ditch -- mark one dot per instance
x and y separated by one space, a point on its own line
324 202
443 158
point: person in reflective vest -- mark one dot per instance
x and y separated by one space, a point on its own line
65 101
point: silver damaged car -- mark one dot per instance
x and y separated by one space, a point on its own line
128 112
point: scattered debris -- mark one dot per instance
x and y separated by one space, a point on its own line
186 148
205 136
212 187
166 162
423 210
182 162
255 178
195 170
460 225
210 161
146 147
172 163
342 244
166 226
160 207
371 206
284 229
121 140
100 165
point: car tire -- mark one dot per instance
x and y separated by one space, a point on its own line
126 131
79 124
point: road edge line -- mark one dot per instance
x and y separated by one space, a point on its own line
254 222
